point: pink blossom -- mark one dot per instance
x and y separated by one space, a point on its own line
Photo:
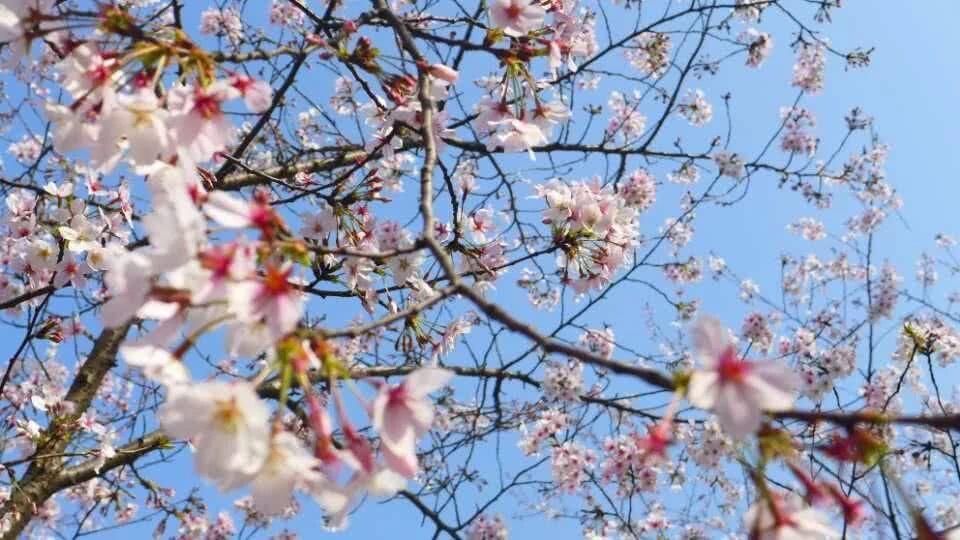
21 22
516 17
138 119
759 44
736 390
235 213
128 282
808 71
695 108
288 466
71 130
256 93
273 299
776 520
223 265
401 413
368 476
199 125
156 362
515 135
444 73
228 424
70 270
481 224
485 527
571 464
222 22
650 53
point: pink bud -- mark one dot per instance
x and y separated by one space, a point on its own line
445 73
359 447
854 512
257 94
349 27
815 493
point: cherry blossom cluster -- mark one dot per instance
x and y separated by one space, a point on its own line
503 116
808 71
302 265
634 461
183 282
563 381
627 121
571 465
550 424
695 108
115 123
488 528
796 138
594 226
650 53
759 46
599 341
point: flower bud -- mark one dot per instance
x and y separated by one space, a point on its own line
444 73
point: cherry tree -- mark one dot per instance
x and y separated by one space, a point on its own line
447 255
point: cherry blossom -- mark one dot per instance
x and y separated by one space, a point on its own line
516 17
228 424
256 94
196 117
128 283
401 414
736 390
331 280
695 108
70 270
156 362
563 381
773 520
22 22
232 212
514 135
72 130
273 299
809 67
444 73
226 22
759 45
488 528
650 53
288 466
139 120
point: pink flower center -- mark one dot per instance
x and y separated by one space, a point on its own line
217 260
99 74
207 106
242 84
261 216
359 447
731 367
513 11
227 415
657 440
478 224
396 396
275 282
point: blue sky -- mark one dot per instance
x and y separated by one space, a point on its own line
910 89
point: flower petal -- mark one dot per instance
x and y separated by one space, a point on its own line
702 389
738 415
